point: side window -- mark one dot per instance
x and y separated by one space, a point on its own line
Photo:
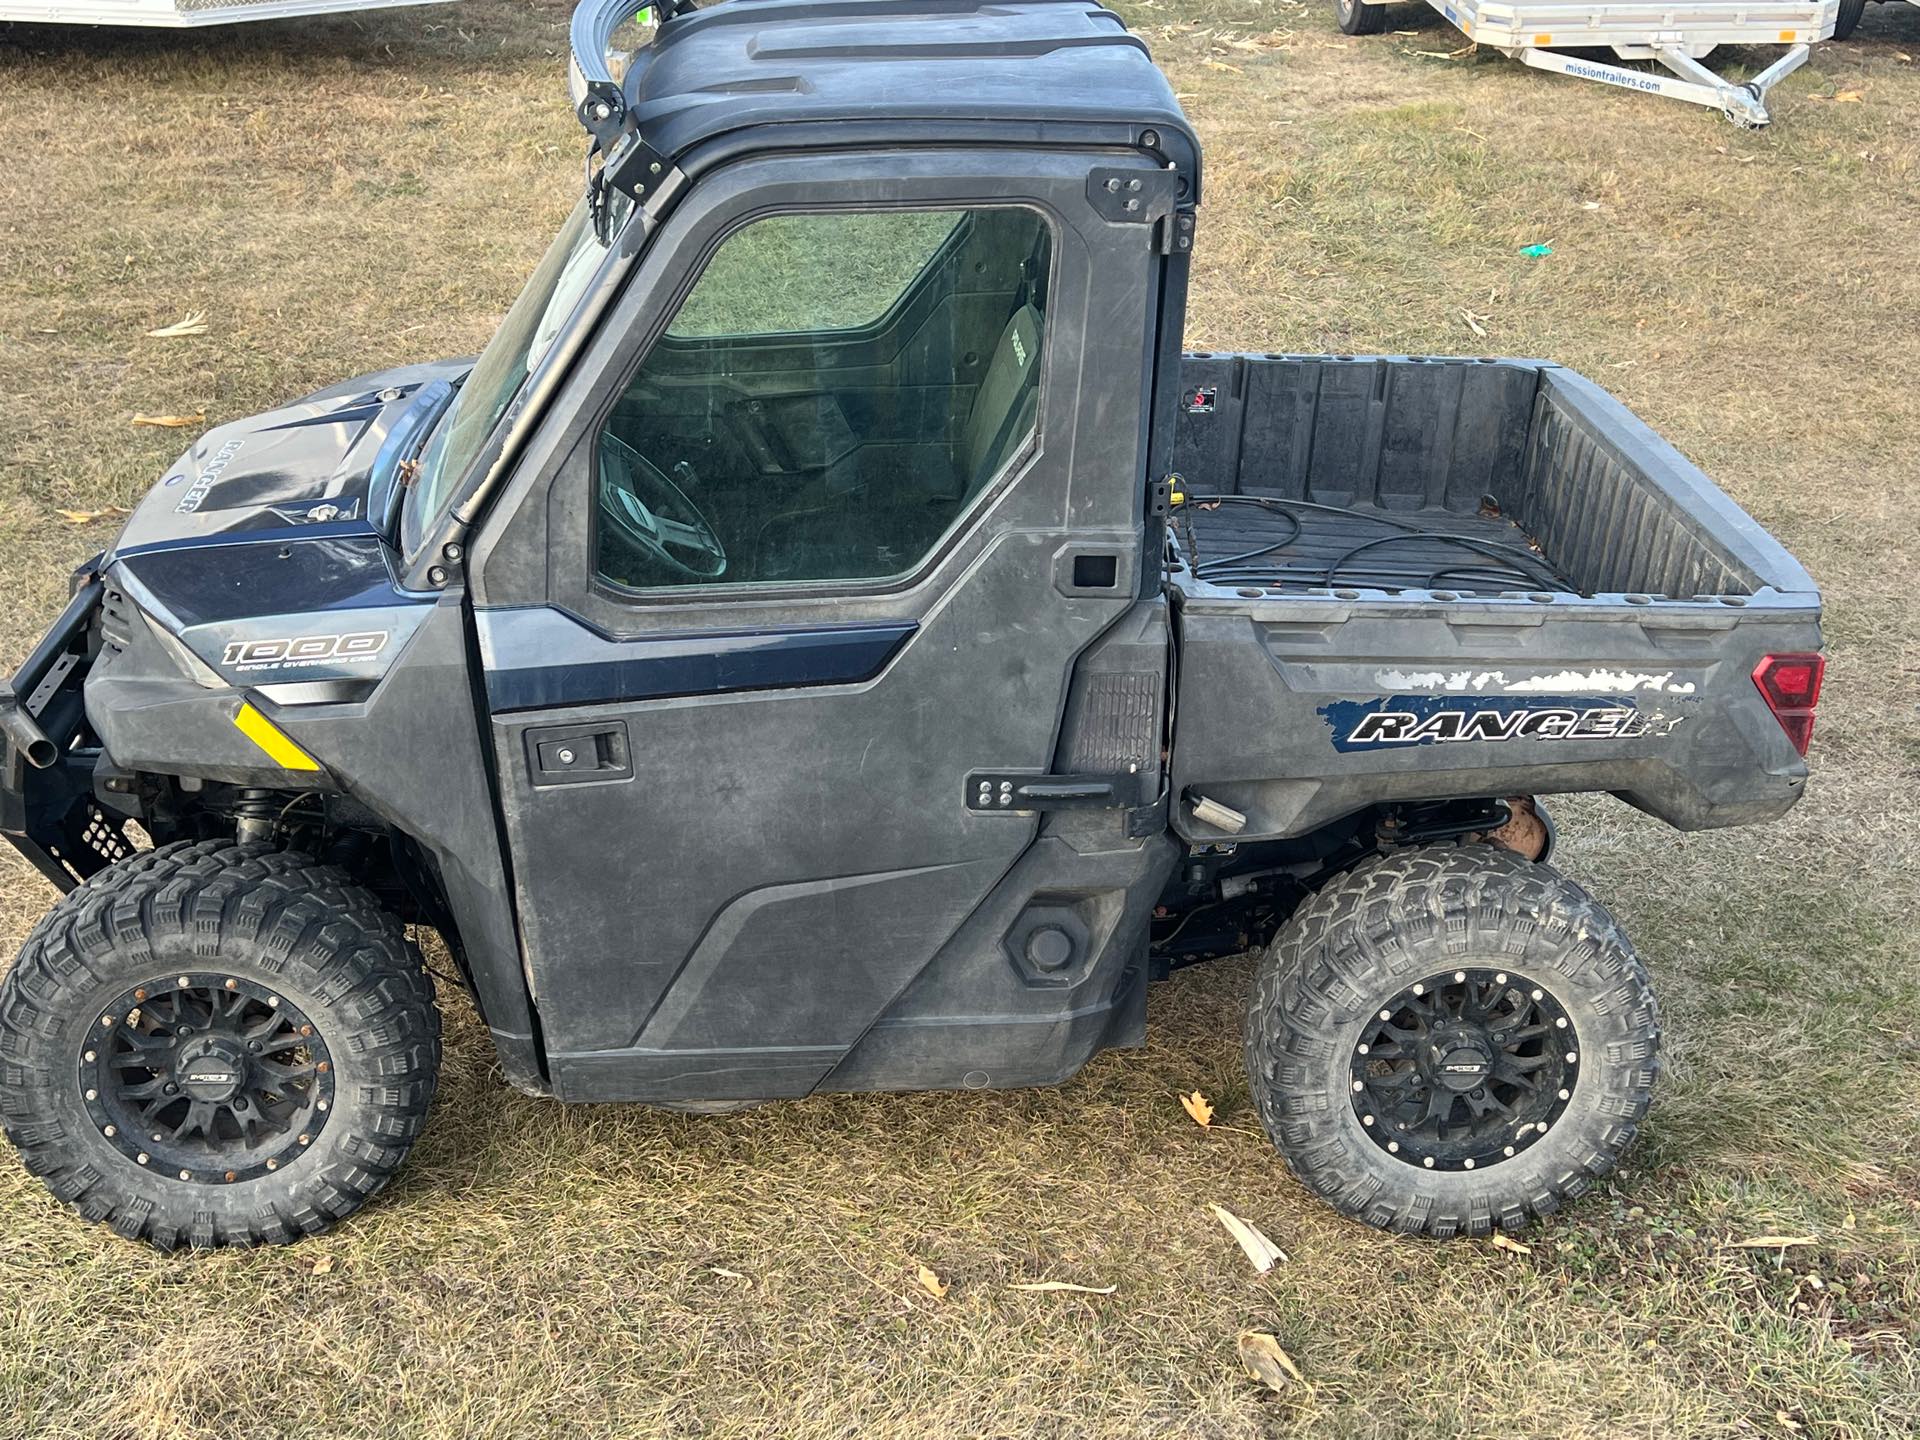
828 401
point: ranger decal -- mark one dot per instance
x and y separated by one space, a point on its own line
1400 720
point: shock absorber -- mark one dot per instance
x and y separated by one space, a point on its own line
254 813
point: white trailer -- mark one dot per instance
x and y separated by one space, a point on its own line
1541 33
175 14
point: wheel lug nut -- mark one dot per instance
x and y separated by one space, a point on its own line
91 1055
141 1158
139 994
1384 1015
306 1029
111 1131
184 982
1566 1094
306 1139
1428 1162
1539 994
233 984
1459 976
186 1175
1393 1147
1469 1164
231 1175
1500 979
1571 1057
273 1164
170 1088
1509 1150
93 1094
1359 1085
322 1105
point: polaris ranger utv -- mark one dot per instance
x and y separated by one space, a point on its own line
834 640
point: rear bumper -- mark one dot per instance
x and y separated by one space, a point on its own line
44 783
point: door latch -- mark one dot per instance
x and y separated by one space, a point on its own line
579 754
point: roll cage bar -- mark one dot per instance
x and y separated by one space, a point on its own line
617 154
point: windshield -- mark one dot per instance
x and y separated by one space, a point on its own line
516 349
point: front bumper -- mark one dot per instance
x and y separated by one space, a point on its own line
47 809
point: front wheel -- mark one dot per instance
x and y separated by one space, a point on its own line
216 1044
1356 17
1449 1039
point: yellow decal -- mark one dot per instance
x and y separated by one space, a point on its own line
264 733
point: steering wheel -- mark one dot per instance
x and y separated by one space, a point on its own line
652 514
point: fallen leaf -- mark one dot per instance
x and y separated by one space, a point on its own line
724 1273
1473 323
1589 204
1196 1105
1052 1285
194 324
1261 1251
1848 97
1222 65
1848 1223
170 422
1786 1422
323 1265
1260 1352
932 1283
1773 1242
87 517
1504 1241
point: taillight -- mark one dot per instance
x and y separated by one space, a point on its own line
1790 684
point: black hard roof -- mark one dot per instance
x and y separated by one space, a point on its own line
1037 63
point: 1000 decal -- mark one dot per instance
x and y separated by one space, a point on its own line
1399 720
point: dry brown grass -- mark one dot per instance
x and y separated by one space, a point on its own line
342 195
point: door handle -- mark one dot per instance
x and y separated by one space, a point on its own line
579 754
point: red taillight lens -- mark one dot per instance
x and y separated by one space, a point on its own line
1790 684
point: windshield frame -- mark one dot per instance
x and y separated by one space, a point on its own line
531 338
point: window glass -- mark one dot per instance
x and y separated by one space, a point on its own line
828 401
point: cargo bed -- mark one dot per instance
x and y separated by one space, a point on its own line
1477 540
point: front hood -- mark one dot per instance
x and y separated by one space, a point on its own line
307 463
257 551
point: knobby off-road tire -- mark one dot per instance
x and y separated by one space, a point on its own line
286 1009
1359 18
1465 979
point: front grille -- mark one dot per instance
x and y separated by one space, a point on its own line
116 620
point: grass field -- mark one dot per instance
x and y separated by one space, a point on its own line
341 195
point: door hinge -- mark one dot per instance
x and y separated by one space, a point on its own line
1131 196
998 791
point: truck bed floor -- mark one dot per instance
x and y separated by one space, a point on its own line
1319 547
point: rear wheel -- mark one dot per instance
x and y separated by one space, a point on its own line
213 1044
1358 18
1849 17
1450 1039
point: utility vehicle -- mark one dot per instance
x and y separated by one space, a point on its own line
832 639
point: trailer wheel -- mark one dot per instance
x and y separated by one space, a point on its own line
1848 18
1447 1039
216 1044
1356 17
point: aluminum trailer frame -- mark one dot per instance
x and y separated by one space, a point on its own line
181 14
1539 33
